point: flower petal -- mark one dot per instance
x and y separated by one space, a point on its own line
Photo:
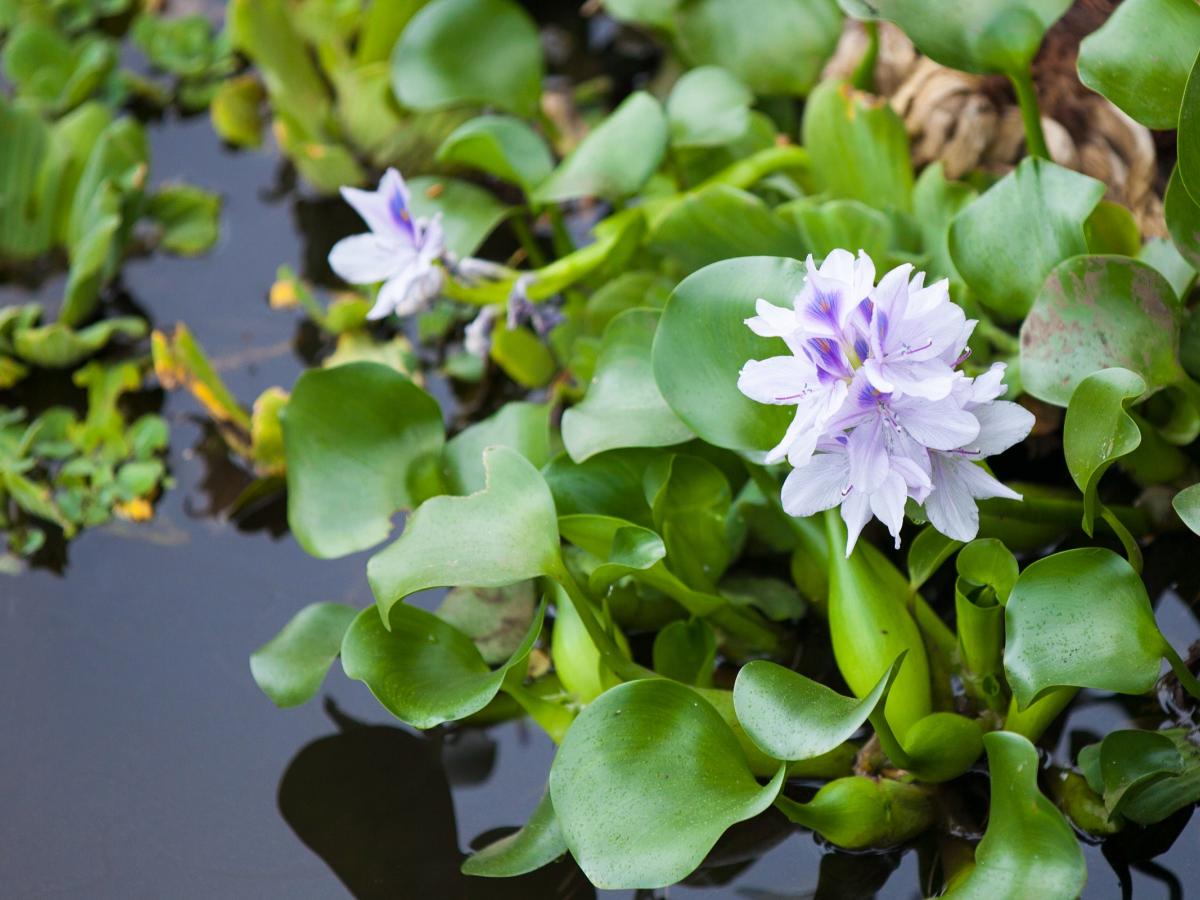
772 320
856 513
367 258
780 380
887 503
818 485
867 452
939 425
1001 424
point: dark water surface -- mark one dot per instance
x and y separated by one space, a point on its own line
139 760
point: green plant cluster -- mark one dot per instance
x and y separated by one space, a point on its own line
626 496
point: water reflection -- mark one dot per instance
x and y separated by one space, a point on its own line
374 803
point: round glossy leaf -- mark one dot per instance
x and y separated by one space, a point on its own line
502 146
859 812
505 533
976 36
685 651
858 147
778 50
615 159
708 107
647 779
495 619
1029 849
1100 312
623 406
1007 242
608 485
357 438
1080 618
423 670
1183 219
1166 257
1189 119
480 52
1132 760
835 224
290 667
929 549
703 342
1187 505
1140 58
936 202
792 717
652 13
524 427
537 843
1098 430
721 222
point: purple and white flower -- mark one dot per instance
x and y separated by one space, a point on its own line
883 412
402 252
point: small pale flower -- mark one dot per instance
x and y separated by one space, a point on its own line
883 414
400 251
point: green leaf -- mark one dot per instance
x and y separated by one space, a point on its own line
423 670
577 660
188 216
1141 56
685 651
495 619
609 484
522 356
469 213
58 346
290 667
1029 849
1100 312
525 427
1080 618
792 717
1183 219
505 533
778 50
469 52
1007 242
870 626
980 36
359 440
652 13
235 111
1098 431
538 842
502 146
1189 120
623 406
861 812
834 224
936 203
721 222
1111 228
1157 782
708 107
1187 505
703 342
929 549
1164 256
263 31
690 500
616 159
1132 760
647 779
858 147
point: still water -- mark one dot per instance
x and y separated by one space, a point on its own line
139 760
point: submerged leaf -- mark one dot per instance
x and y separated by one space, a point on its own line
538 842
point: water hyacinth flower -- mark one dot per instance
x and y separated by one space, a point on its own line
884 414
402 252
